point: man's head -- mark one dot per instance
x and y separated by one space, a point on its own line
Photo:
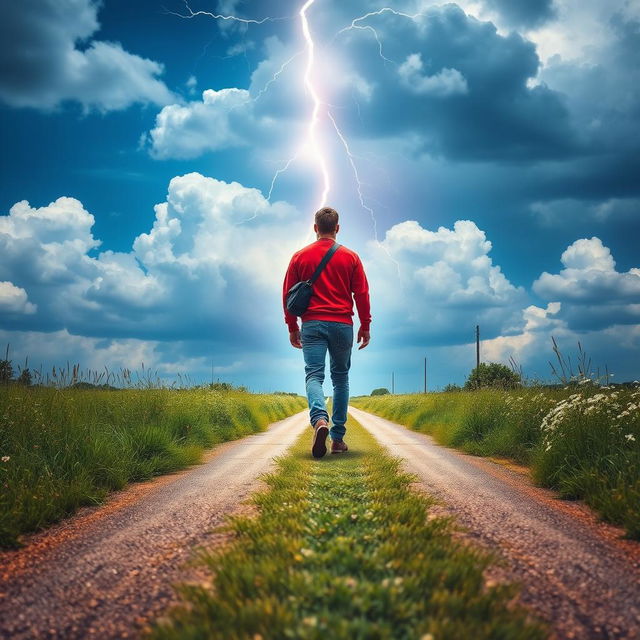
326 222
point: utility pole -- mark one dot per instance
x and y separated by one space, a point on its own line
477 345
393 382
425 375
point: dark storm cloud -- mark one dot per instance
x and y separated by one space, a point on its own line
47 57
597 317
494 115
523 13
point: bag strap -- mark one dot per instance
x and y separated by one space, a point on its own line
323 263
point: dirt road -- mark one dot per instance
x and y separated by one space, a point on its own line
109 569
575 572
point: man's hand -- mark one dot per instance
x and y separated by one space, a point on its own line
294 338
363 336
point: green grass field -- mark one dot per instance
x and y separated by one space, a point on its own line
582 441
63 448
343 548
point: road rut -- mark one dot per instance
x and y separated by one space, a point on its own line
575 573
106 573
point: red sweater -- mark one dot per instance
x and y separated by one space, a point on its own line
341 281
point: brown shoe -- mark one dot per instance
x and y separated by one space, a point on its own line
339 446
321 431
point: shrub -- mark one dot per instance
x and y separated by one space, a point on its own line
380 392
492 375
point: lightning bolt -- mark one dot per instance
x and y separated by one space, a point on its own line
356 175
276 75
216 16
319 108
317 104
355 25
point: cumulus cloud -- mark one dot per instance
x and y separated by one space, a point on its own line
492 112
539 324
446 82
232 117
592 292
581 30
523 13
598 89
210 266
186 131
589 276
47 57
14 299
437 285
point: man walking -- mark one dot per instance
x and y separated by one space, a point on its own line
327 325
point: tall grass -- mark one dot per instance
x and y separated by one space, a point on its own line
63 448
583 441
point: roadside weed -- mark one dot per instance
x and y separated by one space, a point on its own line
63 448
582 440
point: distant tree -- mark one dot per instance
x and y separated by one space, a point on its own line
6 371
380 392
83 385
25 378
221 386
452 387
492 375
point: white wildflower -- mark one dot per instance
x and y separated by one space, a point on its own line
6 458
630 437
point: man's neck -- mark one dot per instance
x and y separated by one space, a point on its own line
326 236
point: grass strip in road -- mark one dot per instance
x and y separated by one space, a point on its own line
343 548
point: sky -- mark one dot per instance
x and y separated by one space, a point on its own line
160 163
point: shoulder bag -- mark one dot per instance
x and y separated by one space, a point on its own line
299 296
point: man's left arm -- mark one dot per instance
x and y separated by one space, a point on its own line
291 278
360 289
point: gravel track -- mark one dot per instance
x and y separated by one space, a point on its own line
108 570
575 572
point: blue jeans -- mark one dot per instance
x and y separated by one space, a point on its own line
318 336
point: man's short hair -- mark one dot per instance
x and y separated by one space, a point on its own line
327 220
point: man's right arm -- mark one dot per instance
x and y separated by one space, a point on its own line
360 290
